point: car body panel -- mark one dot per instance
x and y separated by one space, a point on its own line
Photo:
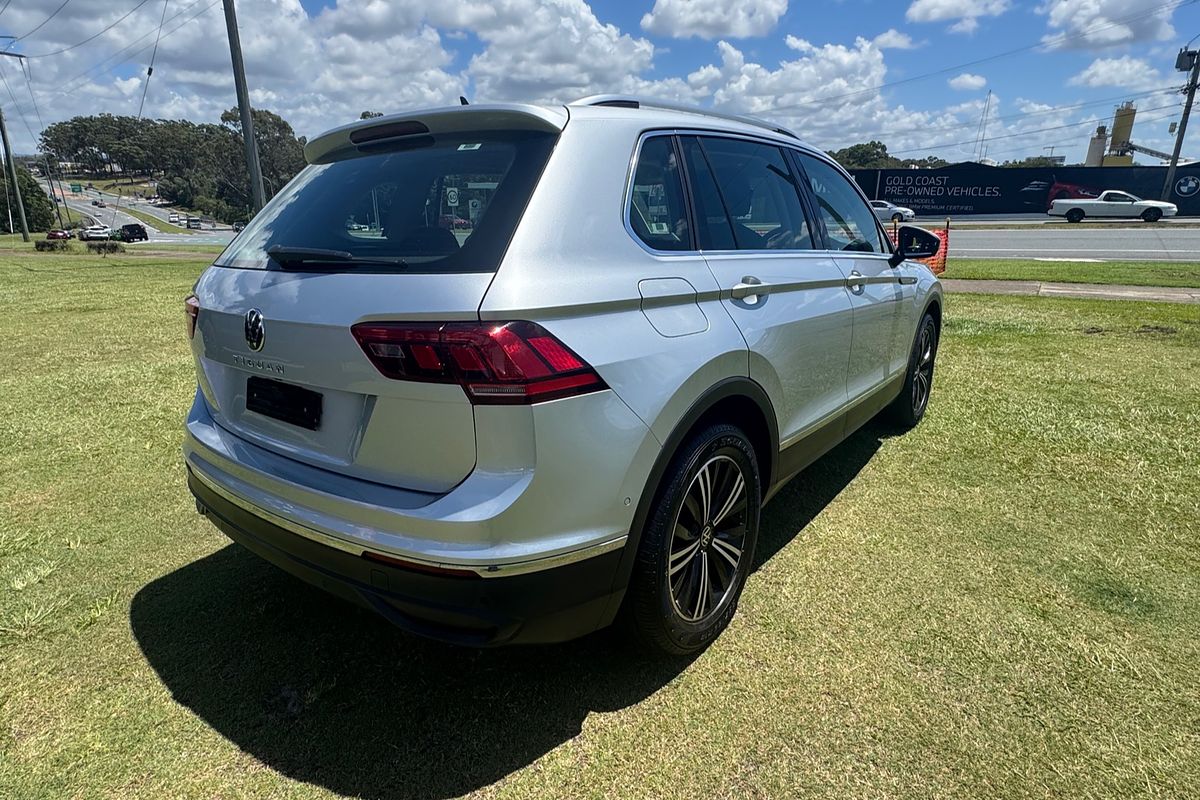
418 472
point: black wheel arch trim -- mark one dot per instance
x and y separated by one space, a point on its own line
739 387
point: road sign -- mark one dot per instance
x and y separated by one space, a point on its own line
452 197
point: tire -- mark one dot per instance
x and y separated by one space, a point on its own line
1152 214
676 555
1075 215
897 218
909 407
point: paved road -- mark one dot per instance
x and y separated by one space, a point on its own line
114 218
1088 242
1159 294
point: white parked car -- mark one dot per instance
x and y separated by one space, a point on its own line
95 232
890 212
173 218
1112 204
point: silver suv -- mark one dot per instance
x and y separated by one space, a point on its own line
508 373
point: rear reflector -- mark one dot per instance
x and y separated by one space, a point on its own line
495 362
416 566
191 308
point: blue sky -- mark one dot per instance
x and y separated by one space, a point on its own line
815 67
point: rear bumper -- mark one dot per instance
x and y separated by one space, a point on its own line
549 605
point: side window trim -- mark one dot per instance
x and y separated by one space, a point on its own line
689 206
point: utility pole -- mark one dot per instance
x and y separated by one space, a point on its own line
243 97
11 167
1187 60
12 177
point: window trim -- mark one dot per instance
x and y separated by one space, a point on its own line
807 199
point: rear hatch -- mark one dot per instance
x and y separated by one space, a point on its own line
402 220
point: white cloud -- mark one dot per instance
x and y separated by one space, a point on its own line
1092 24
967 82
322 69
965 14
712 19
1125 72
892 39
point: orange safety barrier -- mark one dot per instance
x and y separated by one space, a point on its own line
937 264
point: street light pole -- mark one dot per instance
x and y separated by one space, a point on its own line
1188 59
243 97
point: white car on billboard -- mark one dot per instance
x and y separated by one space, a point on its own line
1112 204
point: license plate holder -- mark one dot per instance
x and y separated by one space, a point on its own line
285 402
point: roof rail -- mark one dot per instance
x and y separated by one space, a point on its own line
628 101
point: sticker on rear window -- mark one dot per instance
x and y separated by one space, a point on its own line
475 146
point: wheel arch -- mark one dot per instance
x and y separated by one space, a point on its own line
739 401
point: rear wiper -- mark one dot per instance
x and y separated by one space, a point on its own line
299 256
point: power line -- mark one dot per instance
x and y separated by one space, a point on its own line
1053 42
150 68
99 33
6 4
43 23
122 54
1021 133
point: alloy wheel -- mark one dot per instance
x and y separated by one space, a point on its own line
708 539
923 377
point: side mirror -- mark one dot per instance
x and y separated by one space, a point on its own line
914 242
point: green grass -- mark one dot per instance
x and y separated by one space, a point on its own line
1017 226
1001 603
1128 273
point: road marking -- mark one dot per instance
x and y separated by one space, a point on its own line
1108 251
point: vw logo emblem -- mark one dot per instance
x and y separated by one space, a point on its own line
1187 186
256 332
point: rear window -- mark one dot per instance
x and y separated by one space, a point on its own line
438 204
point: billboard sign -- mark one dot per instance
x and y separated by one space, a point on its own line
979 189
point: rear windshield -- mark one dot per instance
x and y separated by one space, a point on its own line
446 203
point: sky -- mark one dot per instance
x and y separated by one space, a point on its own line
914 74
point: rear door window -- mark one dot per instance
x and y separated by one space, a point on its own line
436 204
760 194
657 213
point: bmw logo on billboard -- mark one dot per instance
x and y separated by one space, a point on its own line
1187 186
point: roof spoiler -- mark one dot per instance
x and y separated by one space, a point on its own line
423 122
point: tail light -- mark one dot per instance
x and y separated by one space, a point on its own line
191 307
494 362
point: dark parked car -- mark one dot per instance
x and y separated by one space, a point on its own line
58 234
134 233
237 227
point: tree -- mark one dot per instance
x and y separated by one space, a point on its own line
871 155
39 213
874 155
370 114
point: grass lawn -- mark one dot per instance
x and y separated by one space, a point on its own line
1128 273
1001 603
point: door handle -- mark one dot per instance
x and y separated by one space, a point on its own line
856 281
749 287
907 280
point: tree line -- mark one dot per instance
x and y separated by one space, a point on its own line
201 166
874 155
